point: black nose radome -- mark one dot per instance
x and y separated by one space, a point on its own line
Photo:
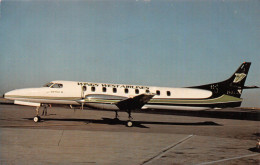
3 95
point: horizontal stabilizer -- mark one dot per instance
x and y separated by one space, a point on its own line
136 102
250 87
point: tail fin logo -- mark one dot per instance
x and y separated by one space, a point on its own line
239 77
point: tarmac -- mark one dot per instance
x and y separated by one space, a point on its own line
68 136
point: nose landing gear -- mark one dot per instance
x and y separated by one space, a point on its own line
37 118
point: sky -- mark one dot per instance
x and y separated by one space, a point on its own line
145 42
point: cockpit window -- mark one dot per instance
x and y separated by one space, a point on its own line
57 86
48 85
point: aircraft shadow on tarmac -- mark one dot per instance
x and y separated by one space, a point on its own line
238 114
111 121
235 113
254 149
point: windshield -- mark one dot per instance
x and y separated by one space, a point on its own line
48 84
57 86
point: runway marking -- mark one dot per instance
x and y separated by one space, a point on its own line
165 150
222 160
60 137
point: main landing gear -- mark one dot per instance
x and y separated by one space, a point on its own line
129 123
116 116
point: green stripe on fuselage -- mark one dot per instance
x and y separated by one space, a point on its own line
221 99
44 97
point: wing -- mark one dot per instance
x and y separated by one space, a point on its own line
136 102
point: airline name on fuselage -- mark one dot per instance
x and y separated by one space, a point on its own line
113 85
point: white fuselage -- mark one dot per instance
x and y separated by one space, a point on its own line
71 92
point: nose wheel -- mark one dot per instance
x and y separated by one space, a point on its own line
37 118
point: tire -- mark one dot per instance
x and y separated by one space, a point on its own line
37 119
129 123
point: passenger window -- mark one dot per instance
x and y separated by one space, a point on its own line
114 90
84 88
168 93
158 92
104 89
147 91
93 89
137 91
126 90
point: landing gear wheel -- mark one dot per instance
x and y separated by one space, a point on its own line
129 123
37 119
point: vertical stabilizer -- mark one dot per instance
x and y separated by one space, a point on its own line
232 86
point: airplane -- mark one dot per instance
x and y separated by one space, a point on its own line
122 97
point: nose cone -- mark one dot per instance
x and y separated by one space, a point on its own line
13 92
9 94
17 93
23 93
